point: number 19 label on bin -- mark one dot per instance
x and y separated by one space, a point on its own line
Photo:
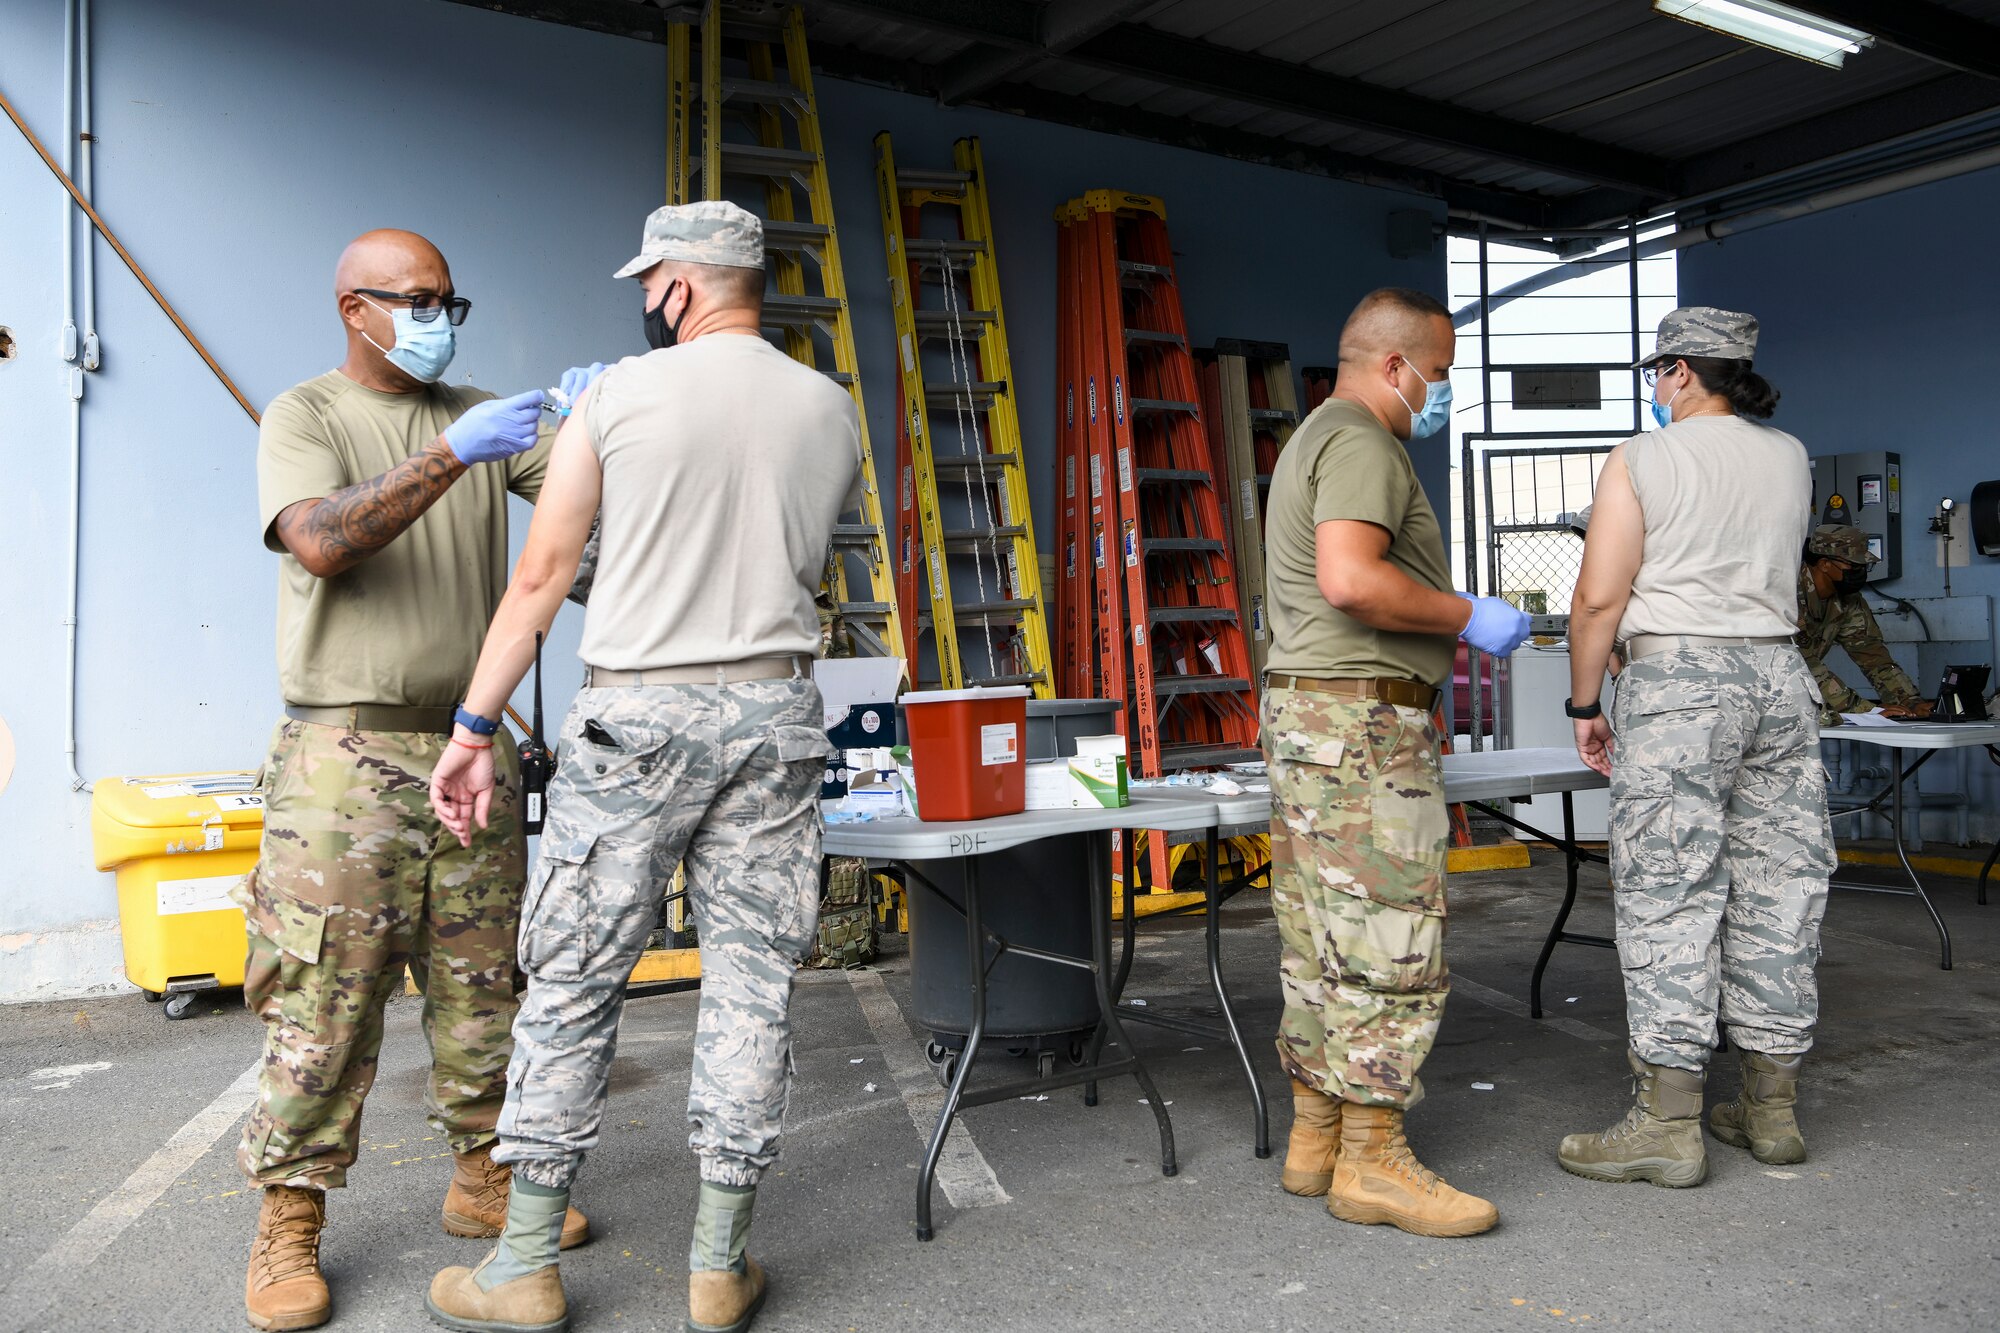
999 744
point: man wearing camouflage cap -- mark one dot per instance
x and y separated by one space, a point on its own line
1831 612
721 466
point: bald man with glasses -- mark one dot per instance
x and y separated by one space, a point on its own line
384 493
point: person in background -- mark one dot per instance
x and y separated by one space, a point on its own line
384 493
722 466
1831 611
1720 847
1363 621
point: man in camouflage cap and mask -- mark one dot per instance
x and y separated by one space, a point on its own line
1831 612
721 466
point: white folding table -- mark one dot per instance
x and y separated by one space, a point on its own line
904 840
1930 738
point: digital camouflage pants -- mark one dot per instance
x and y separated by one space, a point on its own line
356 879
1720 850
1358 833
725 781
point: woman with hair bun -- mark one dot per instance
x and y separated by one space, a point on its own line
1719 843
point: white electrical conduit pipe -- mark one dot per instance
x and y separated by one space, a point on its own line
1719 228
74 17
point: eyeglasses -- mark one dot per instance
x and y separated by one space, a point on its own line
425 306
1652 374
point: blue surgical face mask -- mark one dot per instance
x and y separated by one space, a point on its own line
1663 413
422 351
1436 412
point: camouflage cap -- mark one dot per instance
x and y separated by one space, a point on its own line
1579 522
1703 330
713 231
1842 541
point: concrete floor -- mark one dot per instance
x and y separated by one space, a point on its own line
123 1208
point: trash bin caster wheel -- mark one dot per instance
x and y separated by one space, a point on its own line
1076 1050
1045 1064
152 996
943 1062
179 1005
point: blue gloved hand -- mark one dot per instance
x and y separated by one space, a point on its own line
496 428
1496 627
574 381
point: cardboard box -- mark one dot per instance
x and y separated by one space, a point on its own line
855 691
1084 782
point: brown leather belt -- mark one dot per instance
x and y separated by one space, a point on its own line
376 717
1388 689
711 673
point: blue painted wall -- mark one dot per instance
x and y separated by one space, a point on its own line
1878 331
242 144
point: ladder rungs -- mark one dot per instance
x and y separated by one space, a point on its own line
1031 678
1011 607
782 311
940 323
877 610
1133 269
971 537
1263 479
763 92
1161 406
754 159
972 462
1174 545
840 377
1277 415
1160 476
940 247
924 178
1153 337
1163 615
794 235
853 534
953 395
1206 756
1199 685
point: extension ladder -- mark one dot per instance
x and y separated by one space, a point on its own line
759 127
963 524
1252 411
1164 582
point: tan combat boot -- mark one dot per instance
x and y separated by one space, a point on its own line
1315 1141
725 1302
532 1303
1761 1118
476 1204
1658 1140
284 1288
1378 1179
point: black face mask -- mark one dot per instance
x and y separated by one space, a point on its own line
659 333
1850 582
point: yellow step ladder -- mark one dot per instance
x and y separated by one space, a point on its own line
957 427
758 132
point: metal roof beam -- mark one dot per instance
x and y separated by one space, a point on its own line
1063 26
1926 30
617 18
1176 62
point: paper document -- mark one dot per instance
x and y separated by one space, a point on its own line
1872 718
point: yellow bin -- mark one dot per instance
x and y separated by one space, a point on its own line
179 844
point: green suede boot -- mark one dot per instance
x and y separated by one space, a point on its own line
1761 1118
1659 1140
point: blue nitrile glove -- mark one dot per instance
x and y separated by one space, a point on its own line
1496 627
574 381
496 428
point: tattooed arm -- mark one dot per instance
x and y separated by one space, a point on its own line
334 533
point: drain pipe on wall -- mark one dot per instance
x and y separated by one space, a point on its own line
75 16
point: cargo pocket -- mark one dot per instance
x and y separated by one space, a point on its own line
1643 850
550 944
1406 798
611 752
796 743
293 932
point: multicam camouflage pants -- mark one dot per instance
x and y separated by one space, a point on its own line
1720 850
1358 834
355 879
725 780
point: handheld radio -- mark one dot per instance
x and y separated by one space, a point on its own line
537 764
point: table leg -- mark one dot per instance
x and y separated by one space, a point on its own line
1212 904
1109 1026
1917 885
975 945
1986 870
1126 840
1562 915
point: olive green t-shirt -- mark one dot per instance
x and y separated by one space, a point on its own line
1342 463
404 626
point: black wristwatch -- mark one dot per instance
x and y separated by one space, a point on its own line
1585 713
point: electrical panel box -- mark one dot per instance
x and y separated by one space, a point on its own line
1869 485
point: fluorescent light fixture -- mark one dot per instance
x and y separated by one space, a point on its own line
1779 27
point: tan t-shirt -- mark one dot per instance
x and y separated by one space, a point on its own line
1727 505
404 626
726 465
1344 464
